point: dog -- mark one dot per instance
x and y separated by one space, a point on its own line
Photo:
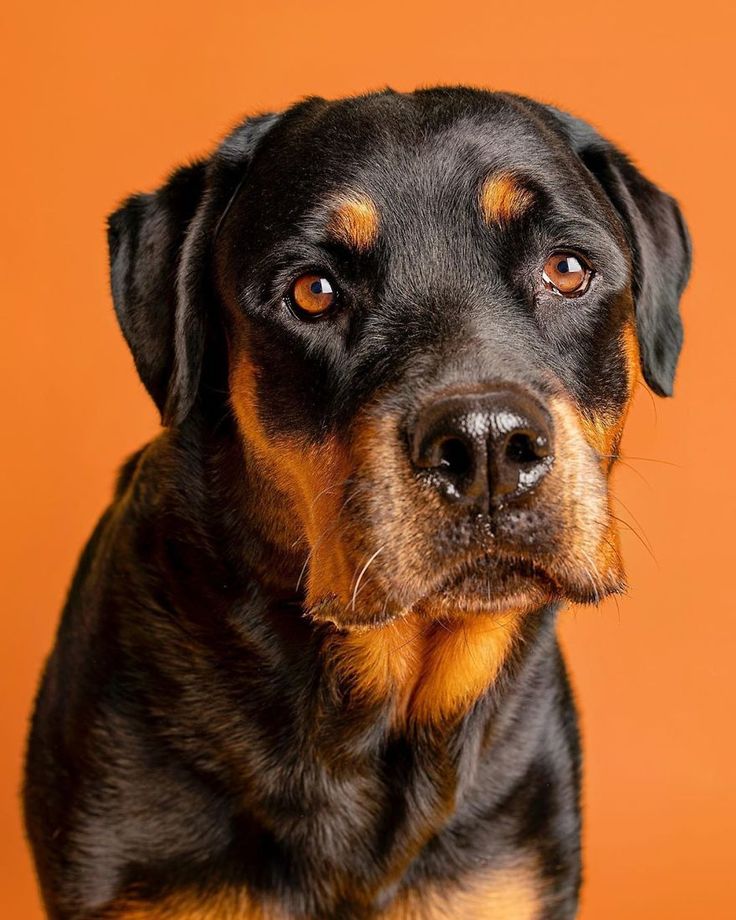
308 666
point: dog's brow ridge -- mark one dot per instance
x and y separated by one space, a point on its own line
354 221
503 197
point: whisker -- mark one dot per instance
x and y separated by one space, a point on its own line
464 627
328 532
618 609
627 457
588 572
303 570
632 515
362 573
637 472
649 393
603 525
638 536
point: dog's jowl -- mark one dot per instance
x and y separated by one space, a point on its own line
308 664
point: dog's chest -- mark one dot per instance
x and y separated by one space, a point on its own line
513 892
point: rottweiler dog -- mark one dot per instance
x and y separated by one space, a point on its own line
308 665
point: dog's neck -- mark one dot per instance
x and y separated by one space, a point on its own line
428 671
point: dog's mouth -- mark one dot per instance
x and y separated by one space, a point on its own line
486 584
492 584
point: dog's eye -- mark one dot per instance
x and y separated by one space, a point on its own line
566 274
312 295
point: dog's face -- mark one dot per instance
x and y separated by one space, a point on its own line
436 308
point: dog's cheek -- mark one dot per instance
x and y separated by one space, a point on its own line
311 477
396 519
274 516
603 429
322 474
587 446
589 555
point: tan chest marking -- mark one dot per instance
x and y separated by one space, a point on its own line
223 905
511 893
434 670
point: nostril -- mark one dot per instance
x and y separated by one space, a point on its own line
455 457
481 449
524 447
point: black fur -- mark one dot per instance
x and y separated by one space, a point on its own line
188 733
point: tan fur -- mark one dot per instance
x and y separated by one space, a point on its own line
585 441
512 892
312 478
432 670
401 521
186 905
592 550
630 348
355 222
503 198
603 432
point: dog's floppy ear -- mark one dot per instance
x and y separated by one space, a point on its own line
160 247
146 238
660 245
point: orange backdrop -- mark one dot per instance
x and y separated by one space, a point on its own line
102 99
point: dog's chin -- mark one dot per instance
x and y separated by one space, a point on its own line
505 584
491 587
487 586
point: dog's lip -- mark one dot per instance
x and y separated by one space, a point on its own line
495 571
508 584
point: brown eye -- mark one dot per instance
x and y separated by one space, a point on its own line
566 274
313 295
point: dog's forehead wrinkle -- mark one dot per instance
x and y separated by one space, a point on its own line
404 147
429 156
427 197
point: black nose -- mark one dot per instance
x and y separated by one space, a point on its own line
483 449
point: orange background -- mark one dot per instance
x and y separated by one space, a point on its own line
102 101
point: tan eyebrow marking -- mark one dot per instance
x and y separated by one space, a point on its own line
355 221
503 197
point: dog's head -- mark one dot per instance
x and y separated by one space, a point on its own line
436 308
